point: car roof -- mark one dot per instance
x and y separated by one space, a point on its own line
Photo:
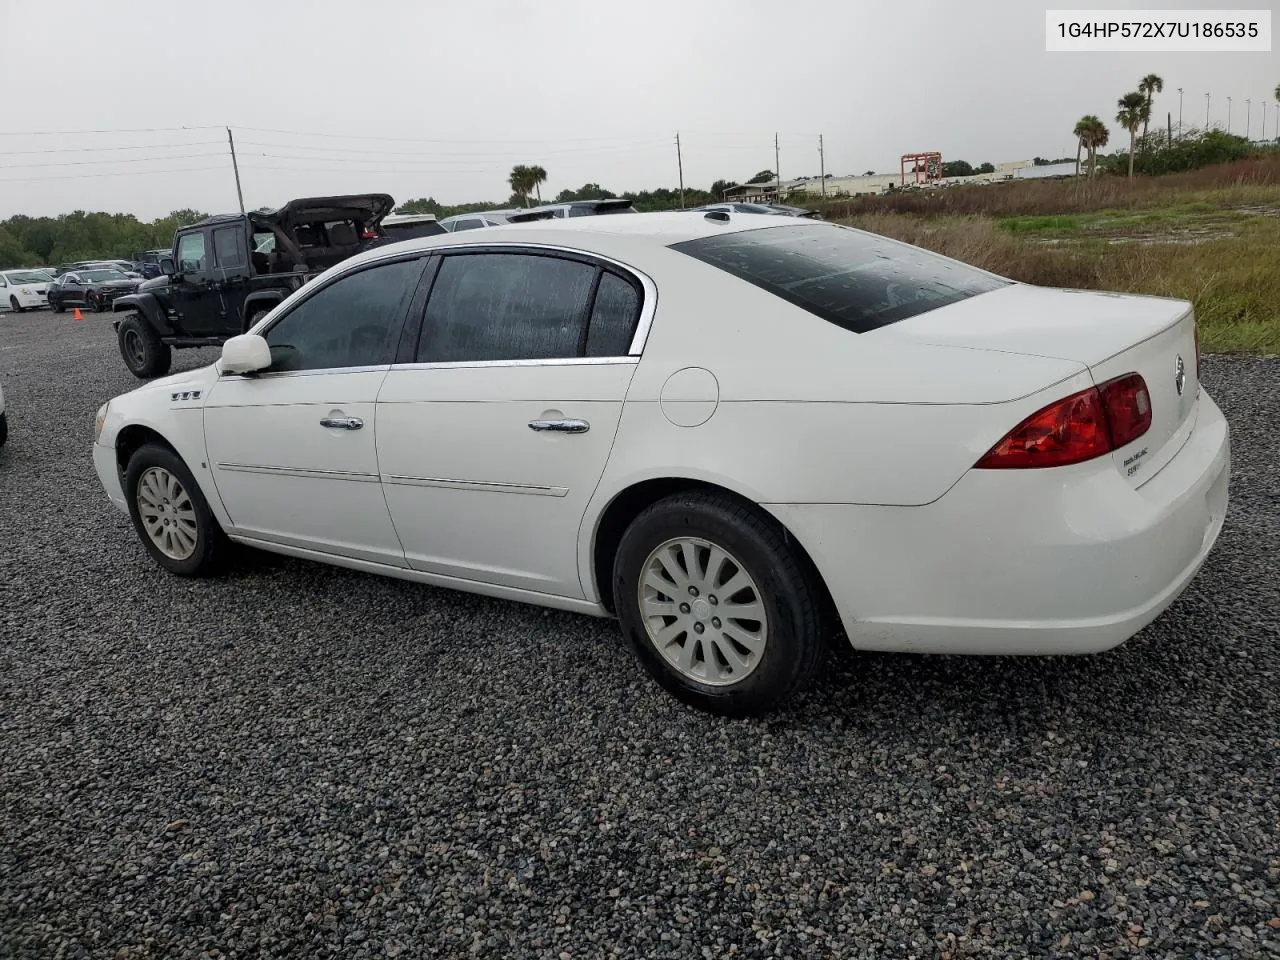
658 229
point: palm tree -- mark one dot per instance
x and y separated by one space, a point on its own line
537 176
1133 114
521 181
1093 134
1149 87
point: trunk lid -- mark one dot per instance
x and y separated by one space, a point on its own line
1112 334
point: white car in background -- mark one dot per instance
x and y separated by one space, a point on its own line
24 289
732 432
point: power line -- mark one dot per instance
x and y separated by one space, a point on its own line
83 133
81 163
439 155
139 146
118 173
361 136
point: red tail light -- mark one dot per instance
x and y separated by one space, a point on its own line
1077 428
1128 408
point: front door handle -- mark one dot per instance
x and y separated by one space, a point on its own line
560 426
342 423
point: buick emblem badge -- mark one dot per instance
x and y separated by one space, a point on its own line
1180 375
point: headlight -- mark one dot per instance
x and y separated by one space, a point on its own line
99 420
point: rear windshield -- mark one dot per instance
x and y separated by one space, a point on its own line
858 281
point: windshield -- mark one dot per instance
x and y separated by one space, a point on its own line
26 276
95 276
856 280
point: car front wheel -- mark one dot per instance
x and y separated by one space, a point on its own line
14 304
171 515
718 607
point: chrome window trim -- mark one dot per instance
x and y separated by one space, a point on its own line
324 371
648 288
554 362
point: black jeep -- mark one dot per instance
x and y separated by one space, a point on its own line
227 271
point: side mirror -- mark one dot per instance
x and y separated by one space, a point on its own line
247 353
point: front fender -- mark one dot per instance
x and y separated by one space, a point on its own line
174 416
148 307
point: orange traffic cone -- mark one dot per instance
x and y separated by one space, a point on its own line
78 315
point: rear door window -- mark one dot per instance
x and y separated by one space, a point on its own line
506 306
856 280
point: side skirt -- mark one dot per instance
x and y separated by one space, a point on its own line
586 607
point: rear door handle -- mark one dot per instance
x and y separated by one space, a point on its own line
560 426
342 423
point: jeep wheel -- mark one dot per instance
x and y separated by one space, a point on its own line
13 302
255 314
140 346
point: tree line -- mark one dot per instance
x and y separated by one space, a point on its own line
33 241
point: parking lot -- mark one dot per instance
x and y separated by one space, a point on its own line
305 761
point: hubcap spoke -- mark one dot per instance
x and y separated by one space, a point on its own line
709 632
667 561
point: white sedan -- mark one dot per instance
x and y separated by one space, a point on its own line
736 434
24 289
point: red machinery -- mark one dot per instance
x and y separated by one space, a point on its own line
925 167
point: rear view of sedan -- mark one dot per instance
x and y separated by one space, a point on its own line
736 434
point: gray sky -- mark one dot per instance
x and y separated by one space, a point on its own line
440 97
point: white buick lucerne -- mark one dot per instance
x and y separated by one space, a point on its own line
736 434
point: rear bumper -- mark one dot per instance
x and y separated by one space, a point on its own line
1017 562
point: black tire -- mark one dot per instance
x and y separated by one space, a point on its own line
140 346
4 428
99 305
791 601
254 315
14 305
57 306
211 543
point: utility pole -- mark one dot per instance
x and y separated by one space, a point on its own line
1206 113
680 169
1264 119
1179 113
777 172
236 167
822 166
1248 115
1170 117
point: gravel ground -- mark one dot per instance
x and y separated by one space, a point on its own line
308 762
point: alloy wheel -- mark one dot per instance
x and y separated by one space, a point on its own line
703 611
167 513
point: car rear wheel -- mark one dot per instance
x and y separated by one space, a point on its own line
14 304
4 428
171 515
256 314
143 352
718 607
